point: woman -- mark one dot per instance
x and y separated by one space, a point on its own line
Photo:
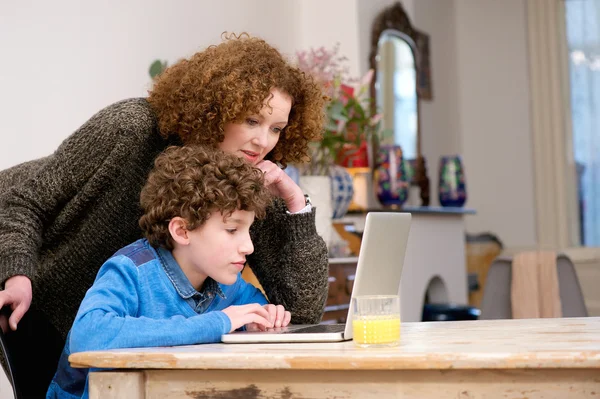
63 215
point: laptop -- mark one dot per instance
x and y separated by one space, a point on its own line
378 272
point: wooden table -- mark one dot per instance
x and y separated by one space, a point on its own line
541 358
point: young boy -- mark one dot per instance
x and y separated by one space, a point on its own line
180 285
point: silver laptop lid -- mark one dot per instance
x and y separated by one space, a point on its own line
381 257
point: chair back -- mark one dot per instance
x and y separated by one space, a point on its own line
481 250
496 302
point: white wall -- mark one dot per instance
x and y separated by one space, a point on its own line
64 60
495 121
367 12
440 117
480 109
325 23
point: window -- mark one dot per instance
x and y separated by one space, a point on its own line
583 42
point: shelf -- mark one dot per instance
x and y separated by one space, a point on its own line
438 210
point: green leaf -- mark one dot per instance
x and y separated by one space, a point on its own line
336 111
156 68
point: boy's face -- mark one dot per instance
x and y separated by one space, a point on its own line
218 248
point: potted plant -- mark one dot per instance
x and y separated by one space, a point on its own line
350 126
349 131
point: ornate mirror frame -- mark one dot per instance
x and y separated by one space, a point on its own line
395 18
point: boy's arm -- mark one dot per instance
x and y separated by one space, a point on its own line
107 316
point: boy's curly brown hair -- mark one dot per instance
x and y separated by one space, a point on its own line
192 182
196 97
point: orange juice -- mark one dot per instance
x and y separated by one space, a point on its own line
376 330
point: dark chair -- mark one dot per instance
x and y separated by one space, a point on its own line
7 362
30 355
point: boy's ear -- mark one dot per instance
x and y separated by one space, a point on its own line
178 231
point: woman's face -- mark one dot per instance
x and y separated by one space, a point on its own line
254 138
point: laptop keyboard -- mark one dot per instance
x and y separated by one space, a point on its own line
319 328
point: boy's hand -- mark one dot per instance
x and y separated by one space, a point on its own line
248 314
277 315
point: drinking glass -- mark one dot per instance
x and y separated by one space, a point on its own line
376 320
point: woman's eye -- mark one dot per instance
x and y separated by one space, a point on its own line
277 130
252 122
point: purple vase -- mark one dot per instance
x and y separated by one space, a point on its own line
389 176
451 188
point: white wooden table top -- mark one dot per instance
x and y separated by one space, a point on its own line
483 344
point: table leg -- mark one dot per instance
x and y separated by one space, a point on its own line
117 384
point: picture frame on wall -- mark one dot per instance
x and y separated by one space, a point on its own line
424 83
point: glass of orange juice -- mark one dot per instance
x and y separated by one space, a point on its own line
376 320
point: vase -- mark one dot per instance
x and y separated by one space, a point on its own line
390 177
451 188
342 190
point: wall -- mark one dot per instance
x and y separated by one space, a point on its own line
64 60
480 106
480 109
368 11
325 23
440 117
495 121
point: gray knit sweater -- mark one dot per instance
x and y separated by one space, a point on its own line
63 215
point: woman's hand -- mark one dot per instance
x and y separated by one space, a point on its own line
17 294
282 186
277 315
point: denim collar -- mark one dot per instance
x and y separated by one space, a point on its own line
184 288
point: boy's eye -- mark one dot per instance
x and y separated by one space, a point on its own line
231 231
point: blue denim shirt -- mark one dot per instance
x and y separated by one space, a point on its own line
198 301
142 298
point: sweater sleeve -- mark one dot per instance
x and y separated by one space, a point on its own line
29 206
290 261
107 317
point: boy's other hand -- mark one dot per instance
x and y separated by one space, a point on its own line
248 314
278 316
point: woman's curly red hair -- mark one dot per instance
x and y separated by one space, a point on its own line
192 182
196 97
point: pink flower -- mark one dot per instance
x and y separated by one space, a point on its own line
350 120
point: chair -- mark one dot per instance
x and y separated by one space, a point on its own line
6 361
496 302
30 354
481 250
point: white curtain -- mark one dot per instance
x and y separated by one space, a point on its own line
583 37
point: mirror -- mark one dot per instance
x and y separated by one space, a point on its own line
396 88
395 57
